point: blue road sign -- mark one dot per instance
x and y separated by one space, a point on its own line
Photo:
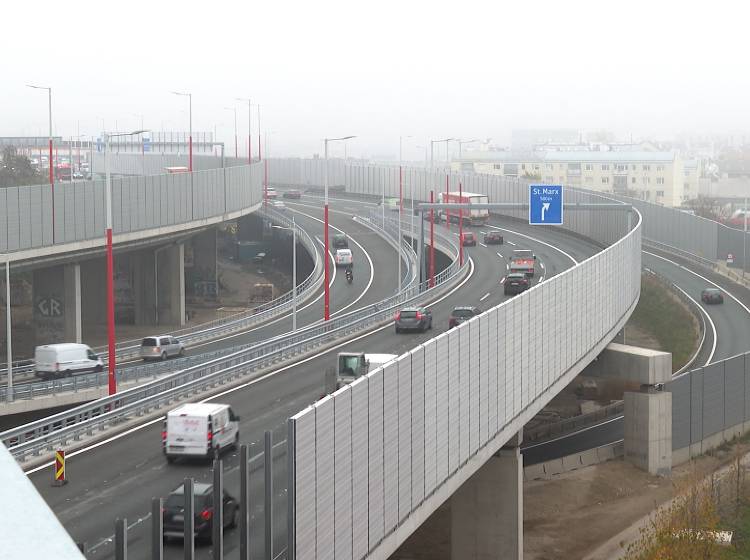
99 145
146 145
545 204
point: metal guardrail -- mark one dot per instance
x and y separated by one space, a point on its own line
198 333
59 429
692 257
567 425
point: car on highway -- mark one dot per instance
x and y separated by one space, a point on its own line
413 319
469 239
65 360
523 260
292 193
278 204
271 193
712 295
78 176
493 238
161 348
199 430
461 314
343 257
391 204
173 512
340 241
515 283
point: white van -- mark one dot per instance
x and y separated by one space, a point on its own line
199 430
65 360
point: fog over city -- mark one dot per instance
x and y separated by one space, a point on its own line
377 70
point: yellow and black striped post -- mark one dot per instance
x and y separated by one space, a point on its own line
60 479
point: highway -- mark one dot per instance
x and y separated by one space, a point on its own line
730 321
119 477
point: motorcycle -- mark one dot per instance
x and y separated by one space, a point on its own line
349 276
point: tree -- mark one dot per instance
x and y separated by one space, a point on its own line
16 170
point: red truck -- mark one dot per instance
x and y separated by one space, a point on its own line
523 260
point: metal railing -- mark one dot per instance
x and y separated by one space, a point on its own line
60 429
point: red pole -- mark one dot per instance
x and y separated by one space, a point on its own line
447 212
326 302
432 241
111 315
460 226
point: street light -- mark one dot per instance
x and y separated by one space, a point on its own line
294 271
249 127
190 130
400 204
259 154
462 142
326 299
51 167
110 264
235 129
432 149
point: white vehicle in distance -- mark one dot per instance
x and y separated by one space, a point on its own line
278 204
343 257
271 193
199 430
65 360
161 348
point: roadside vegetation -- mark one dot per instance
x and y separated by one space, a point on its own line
662 317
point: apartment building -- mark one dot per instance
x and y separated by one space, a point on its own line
658 177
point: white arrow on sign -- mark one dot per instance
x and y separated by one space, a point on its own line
545 207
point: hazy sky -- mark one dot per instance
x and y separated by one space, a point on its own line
378 70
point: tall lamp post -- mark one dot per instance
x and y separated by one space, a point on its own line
110 263
234 109
190 129
432 149
400 204
294 271
326 298
51 165
259 154
249 127
461 143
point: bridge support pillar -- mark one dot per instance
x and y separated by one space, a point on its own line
144 287
57 304
171 285
487 511
203 270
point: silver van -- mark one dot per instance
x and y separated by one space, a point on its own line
161 348
65 360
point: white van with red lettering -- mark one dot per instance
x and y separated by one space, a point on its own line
199 430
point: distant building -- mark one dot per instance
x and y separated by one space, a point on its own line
527 139
658 177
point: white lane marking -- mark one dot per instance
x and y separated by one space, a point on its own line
483 245
483 232
367 255
713 327
714 284
507 266
388 325
536 240
111 538
558 438
499 255
484 297
502 281
333 263
541 264
510 242
541 279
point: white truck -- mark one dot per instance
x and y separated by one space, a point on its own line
199 430
351 365
470 216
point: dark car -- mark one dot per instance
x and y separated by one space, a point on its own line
461 314
469 239
493 238
413 318
340 241
515 283
712 295
293 193
203 508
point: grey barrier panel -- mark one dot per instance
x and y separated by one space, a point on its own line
482 345
681 400
14 218
390 446
360 508
325 472
713 398
375 456
474 382
404 436
464 394
417 426
489 353
747 388
734 391
430 416
304 488
442 407
342 474
696 405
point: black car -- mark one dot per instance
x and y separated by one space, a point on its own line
203 508
712 295
515 283
340 241
413 318
293 193
461 314
493 238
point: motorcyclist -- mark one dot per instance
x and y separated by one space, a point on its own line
349 273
